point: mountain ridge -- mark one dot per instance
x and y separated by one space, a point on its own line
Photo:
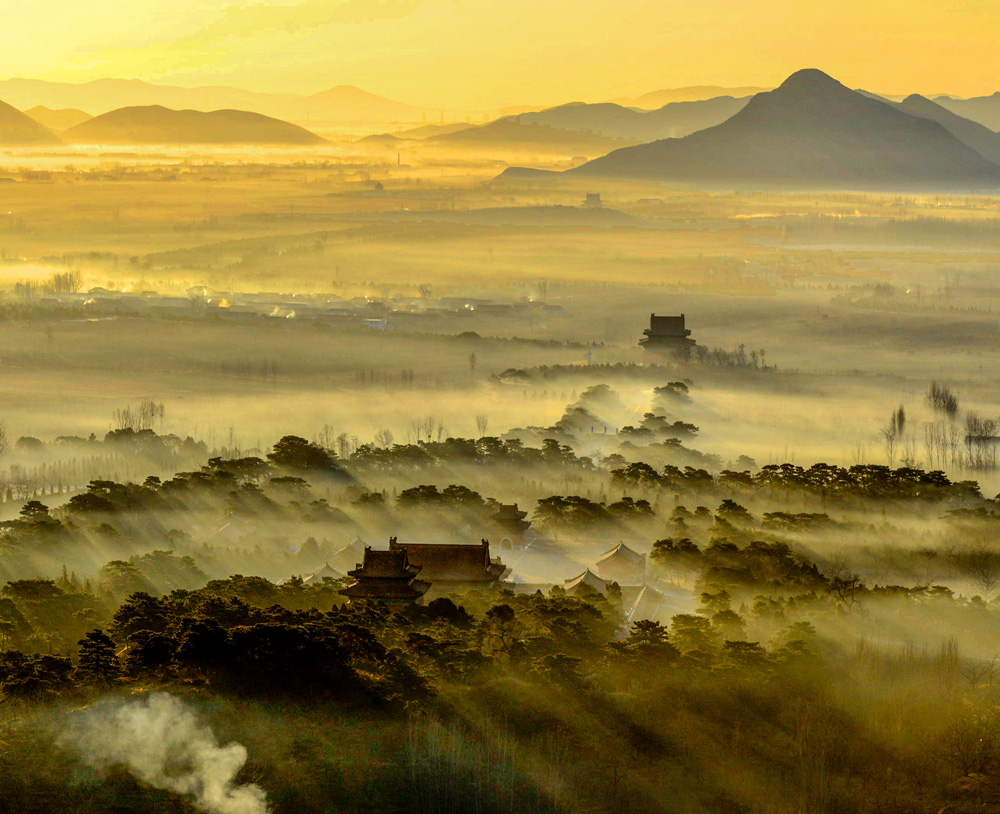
156 124
811 131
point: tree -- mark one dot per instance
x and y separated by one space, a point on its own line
498 629
34 511
98 662
293 452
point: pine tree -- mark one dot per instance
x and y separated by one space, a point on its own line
98 662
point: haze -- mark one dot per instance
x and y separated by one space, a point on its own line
487 54
448 407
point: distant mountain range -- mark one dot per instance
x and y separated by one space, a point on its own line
693 93
341 105
673 120
153 124
19 130
981 139
57 119
514 133
982 109
811 132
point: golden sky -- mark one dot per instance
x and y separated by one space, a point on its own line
488 53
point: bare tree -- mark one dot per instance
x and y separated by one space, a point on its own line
482 424
940 399
4 438
892 433
888 436
981 562
384 438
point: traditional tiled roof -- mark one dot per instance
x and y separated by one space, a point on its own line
386 576
320 574
392 564
508 516
447 562
622 551
588 577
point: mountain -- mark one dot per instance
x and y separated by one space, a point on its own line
19 130
614 121
154 124
810 132
981 139
428 130
343 104
692 93
57 119
982 109
348 104
513 134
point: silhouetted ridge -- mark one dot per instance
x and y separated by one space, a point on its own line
812 131
155 124
20 130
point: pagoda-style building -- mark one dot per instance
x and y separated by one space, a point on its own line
667 335
509 527
386 576
453 566
622 565
587 578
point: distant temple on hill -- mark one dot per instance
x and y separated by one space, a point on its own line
453 566
386 576
667 335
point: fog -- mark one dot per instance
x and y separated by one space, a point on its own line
225 372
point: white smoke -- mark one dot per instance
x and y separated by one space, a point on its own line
161 741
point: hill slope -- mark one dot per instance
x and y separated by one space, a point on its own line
982 109
693 93
513 133
19 130
614 121
981 139
810 132
154 124
57 119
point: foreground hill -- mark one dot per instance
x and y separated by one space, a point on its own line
981 139
810 132
57 119
159 125
614 121
19 130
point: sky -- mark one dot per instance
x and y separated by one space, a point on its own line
491 53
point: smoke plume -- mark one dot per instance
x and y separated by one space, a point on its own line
161 741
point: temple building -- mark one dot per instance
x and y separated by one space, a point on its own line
317 577
588 578
667 335
386 576
453 566
622 565
508 528
345 558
